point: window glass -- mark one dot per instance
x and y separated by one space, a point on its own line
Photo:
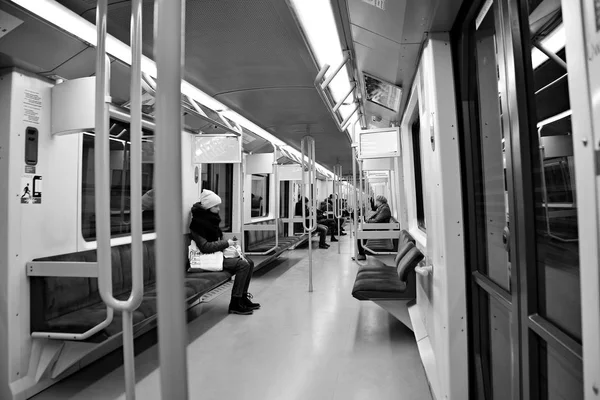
416 141
120 189
554 177
260 195
491 189
219 179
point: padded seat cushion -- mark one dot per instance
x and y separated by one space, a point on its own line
389 283
380 244
196 284
203 282
85 319
373 264
285 242
377 288
387 273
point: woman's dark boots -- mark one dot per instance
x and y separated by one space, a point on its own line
238 306
246 299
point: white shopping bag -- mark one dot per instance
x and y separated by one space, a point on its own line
204 262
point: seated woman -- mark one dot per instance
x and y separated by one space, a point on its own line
382 215
205 231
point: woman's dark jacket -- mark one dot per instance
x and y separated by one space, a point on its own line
205 231
382 215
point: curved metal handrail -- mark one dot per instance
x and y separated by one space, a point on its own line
101 163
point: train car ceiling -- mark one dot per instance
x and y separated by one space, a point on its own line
386 37
70 54
250 56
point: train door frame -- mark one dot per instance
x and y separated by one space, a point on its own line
478 284
527 328
582 37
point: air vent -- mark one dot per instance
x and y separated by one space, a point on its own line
8 23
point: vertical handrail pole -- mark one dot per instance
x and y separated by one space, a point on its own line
309 227
337 172
102 157
101 176
172 332
277 190
135 194
242 193
399 189
355 197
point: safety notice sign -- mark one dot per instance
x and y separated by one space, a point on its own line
31 189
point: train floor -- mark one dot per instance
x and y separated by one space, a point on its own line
323 345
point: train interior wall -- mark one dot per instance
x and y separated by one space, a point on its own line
29 230
441 301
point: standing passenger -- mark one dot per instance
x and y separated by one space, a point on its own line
205 231
382 216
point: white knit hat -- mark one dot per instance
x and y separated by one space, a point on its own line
381 199
208 199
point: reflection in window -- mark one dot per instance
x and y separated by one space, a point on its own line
554 177
219 179
419 195
260 195
120 189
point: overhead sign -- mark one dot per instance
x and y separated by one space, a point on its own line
382 93
217 149
379 143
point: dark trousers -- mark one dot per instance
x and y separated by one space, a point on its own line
361 250
243 270
329 223
322 234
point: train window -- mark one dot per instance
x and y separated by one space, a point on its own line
419 195
120 189
284 199
554 182
260 195
219 179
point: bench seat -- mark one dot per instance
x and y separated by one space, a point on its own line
378 281
389 283
284 243
405 242
73 305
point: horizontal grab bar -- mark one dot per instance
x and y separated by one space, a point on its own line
424 271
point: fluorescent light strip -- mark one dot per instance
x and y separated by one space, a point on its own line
554 42
318 24
77 26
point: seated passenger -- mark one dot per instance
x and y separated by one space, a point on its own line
382 215
205 231
328 222
148 200
321 228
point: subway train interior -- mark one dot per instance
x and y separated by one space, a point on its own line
300 199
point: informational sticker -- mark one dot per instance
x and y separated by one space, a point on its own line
32 107
31 189
30 169
376 3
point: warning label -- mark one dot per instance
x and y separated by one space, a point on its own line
31 189
32 107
